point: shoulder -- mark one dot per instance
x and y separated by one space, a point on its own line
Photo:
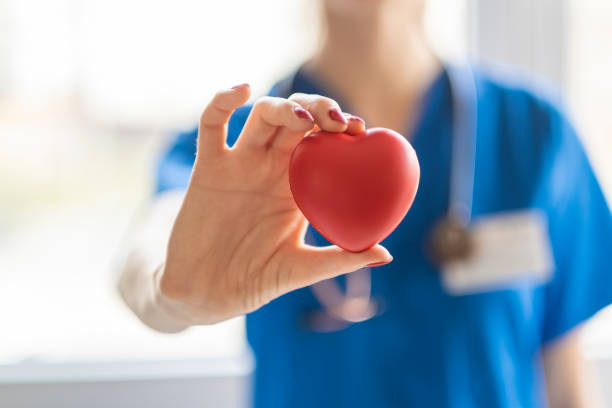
518 94
524 132
523 112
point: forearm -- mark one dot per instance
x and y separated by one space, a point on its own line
138 284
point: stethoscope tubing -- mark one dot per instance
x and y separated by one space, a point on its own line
463 141
337 312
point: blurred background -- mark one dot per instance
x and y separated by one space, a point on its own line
91 90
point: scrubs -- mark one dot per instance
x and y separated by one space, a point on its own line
430 348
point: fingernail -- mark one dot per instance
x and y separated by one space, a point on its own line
336 115
372 265
303 113
355 118
240 86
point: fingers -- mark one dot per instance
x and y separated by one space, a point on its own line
213 122
287 141
326 112
272 118
281 123
317 264
355 126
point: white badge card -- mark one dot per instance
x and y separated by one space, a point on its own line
508 248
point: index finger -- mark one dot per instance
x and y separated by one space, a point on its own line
212 131
326 111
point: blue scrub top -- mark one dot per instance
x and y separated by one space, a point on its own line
429 348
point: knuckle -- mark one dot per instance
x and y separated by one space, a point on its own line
323 102
208 115
266 100
296 95
220 95
262 103
288 105
313 102
214 109
211 105
204 115
269 104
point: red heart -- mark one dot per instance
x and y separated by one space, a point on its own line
354 189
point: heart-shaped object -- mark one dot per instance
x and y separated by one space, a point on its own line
354 189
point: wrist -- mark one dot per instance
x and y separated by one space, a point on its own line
178 298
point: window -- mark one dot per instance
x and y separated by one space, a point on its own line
90 93
90 90
589 88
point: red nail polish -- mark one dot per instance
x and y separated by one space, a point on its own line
336 115
372 265
303 113
240 86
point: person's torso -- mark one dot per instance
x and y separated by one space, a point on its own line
428 348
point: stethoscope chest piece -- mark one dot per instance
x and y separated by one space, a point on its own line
450 241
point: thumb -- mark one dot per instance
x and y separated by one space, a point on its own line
320 263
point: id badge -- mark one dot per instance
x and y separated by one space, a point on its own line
509 248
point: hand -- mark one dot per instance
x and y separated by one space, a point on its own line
238 240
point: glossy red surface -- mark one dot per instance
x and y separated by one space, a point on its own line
354 189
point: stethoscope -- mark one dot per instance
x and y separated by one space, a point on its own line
449 240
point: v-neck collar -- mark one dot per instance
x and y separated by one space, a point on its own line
430 100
